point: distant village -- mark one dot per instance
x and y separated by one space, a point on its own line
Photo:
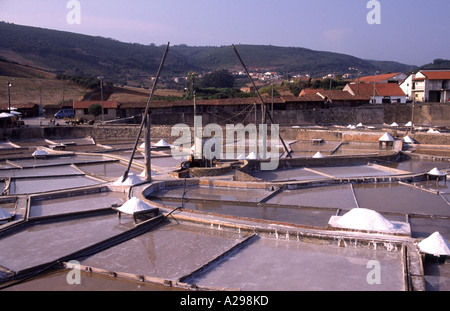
424 86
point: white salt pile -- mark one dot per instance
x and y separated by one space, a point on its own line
40 153
435 245
241 157
162 143
133 205
365 219
153 173
318 155
360 125
251 156
132 179
386 137
409 124
408 140
394 124
436 172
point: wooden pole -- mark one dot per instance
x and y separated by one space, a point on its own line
144 117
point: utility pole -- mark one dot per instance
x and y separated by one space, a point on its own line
9 96
101 91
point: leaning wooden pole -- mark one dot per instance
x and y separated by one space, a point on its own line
144 117
261 99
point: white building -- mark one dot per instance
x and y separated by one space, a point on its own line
428 86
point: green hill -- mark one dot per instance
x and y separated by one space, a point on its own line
76 54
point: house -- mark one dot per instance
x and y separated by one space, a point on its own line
342 98
428 86
110 109
384 78
379 93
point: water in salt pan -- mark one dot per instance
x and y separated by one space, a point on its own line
435 245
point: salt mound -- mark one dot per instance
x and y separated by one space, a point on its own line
251 156
408 140
162 143
131 180
386 137
360 125
153 173
241 157
435 245
318 155
436 172
134 205
40 153
142 146
409 124
365 219
394 124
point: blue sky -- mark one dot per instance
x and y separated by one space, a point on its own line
411 31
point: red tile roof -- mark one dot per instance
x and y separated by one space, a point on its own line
381 89
382 77
86 104
437 75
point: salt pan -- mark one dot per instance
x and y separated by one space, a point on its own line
435 245
365 219
4 214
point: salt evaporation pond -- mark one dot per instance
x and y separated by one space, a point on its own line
292 265
79 203
170 252
37 185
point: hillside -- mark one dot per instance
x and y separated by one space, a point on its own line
33 85
77 54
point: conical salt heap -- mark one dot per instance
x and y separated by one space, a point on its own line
365 219
162 143
318 155
132 179
133 205
435 245
436 172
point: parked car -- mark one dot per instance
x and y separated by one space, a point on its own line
65 113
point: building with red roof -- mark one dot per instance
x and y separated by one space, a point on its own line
428 86
379 93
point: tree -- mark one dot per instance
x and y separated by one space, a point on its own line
219 79
95 110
